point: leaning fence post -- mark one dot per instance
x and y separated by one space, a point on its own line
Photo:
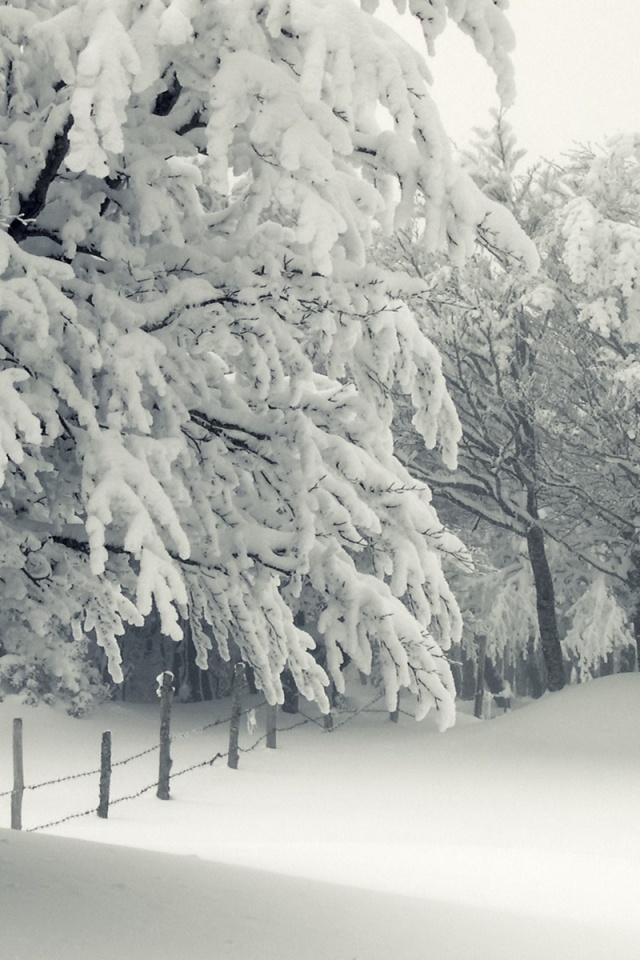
272 715
478 707
236 704
165 692
105 775
18 777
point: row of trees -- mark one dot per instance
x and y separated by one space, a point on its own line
544 374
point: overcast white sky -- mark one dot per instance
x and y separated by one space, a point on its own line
577 71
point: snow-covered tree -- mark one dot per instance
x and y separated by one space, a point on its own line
542 372
197 359
487 319
593 256
599 626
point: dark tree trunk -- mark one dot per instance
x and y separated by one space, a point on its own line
478 707
534 683
527 456
633 583
635 623
291 696
193 682
546 609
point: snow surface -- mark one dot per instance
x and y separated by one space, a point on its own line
510 838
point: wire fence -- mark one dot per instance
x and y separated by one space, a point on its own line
136 756
339 718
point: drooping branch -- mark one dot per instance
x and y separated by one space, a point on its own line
229 433
195 123
166 101
217 426
33 204
230 298
80 546
83 547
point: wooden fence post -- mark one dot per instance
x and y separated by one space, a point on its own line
478 708
328 717
394 715
105 775
272 715
236 710
165 692
18 777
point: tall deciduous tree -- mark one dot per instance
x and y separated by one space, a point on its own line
197 360
593 255
487 320
542 373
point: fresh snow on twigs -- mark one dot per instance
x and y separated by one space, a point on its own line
511 838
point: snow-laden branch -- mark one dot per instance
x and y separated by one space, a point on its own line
193 191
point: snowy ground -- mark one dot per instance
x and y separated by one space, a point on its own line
513 838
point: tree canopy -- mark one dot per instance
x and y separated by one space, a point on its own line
197 360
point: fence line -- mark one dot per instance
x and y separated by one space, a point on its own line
351 715
135 756
50 783
354 713
194 766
